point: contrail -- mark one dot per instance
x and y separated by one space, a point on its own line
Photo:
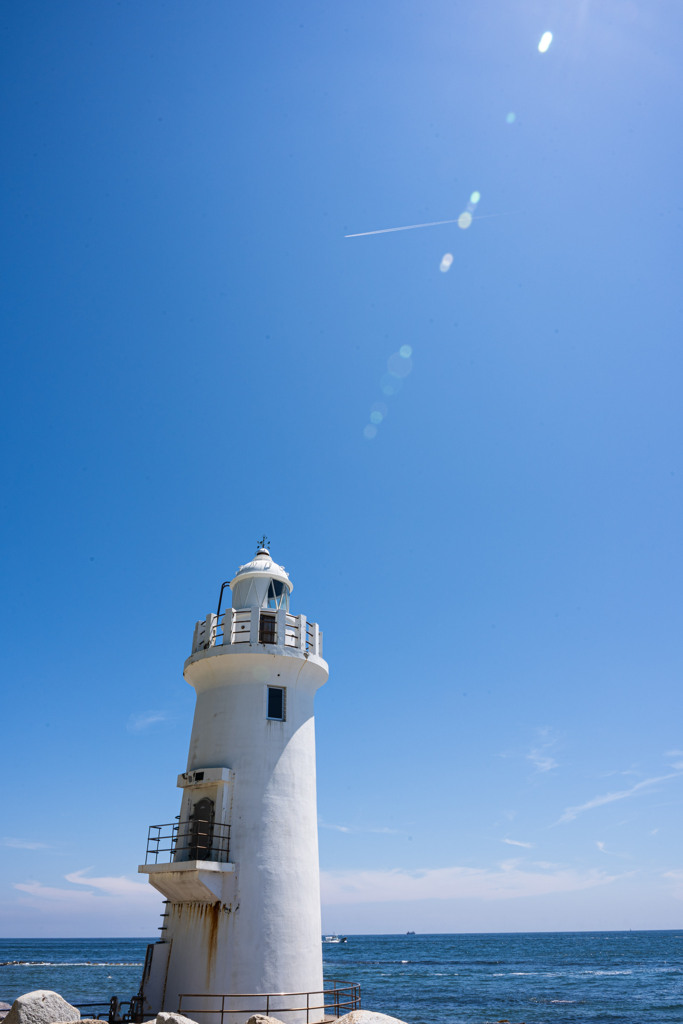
411 227
406 227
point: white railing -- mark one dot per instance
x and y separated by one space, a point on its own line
256 626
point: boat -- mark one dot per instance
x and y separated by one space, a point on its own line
334 938
410 933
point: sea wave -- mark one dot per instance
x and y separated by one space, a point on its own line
70 963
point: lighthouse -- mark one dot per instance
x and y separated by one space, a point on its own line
239 871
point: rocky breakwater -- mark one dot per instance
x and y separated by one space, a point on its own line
45 1007
42 1007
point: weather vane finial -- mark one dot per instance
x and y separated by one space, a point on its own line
263 543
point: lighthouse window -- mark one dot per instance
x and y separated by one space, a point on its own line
276 703
278 595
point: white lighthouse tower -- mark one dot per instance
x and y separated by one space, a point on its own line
239 867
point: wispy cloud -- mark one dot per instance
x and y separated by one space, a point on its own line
677 878
602 847
93 893
542 762
517 842
22 844
539 755
354 830
137 723
570 813
507 881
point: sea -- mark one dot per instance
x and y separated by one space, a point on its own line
541 977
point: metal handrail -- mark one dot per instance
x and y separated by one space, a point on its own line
209 840
345 997
115 1011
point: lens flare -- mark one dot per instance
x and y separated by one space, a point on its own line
399 366
464 220
390 384
370 432
545 41
511 117
405 351
445 264
475 197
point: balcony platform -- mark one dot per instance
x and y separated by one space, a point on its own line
185 881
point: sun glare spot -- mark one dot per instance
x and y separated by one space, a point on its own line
445 264
475 197
376 417
511 117
464 220
405 351
399 365
370 432
545 41
390 384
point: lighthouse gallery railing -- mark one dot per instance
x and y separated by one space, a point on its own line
338 999
188 840
258 626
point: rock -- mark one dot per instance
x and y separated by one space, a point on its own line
166 1017
4 1009
42 1007
367 1017
260 1018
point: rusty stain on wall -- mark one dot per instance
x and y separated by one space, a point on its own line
206 917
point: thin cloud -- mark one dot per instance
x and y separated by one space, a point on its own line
353 830
507 881
602 847
23 844
677 878
94 892
117 885
540 755
570 813
518 842
137 723
542 762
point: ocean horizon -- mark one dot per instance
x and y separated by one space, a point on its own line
621 977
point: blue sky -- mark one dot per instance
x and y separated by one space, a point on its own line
194 351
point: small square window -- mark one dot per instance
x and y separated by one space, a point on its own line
276 703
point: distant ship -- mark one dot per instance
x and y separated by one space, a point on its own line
334 938
410 933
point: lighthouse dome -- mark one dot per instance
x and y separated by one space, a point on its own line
261 583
